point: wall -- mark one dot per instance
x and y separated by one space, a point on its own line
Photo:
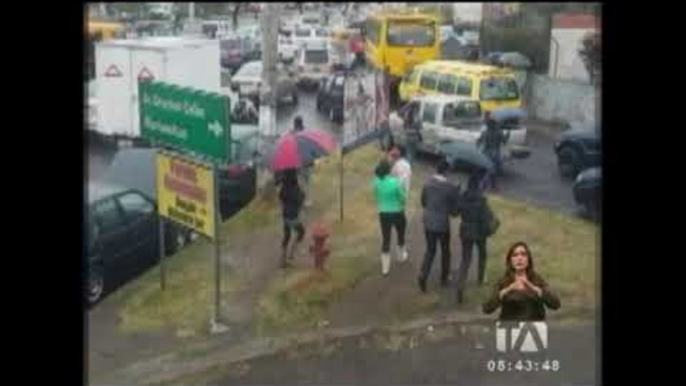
467 12
562 100
569 63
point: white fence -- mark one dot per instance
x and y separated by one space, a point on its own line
563 100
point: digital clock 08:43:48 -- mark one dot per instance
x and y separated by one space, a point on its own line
522 365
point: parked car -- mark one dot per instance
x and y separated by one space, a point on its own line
587 190
579 148
302 35
248 80
315 63
234 51
456 118
330 96
134 168
287 49
122 237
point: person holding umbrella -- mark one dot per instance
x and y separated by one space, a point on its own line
291 198
439 198
490 143
473 208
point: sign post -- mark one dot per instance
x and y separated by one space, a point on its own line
196 124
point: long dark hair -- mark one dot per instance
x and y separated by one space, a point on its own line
531 274
383 169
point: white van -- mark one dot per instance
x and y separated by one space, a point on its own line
314 62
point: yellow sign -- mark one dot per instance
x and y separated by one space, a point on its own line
185 193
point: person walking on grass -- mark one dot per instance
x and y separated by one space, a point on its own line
401 168
475 212
291 197
439 200
389 195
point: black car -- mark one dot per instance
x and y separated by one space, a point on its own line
587 190
122 237
330 96
135 168
579 148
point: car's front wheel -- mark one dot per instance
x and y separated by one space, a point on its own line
95 286
568 161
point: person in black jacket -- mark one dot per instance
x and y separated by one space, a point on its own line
472 208
438 199
521 294
292 198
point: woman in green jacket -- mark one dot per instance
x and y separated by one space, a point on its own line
390 200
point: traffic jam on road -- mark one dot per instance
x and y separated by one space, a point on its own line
340 67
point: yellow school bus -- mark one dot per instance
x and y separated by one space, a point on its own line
493 87
398 41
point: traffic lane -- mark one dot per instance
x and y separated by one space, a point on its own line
307 109
459 360
537 180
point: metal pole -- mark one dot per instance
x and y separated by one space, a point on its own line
340 182
191 11
163 272
217 249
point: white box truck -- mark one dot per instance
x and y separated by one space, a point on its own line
119 64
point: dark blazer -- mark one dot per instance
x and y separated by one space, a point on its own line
472 209
438 200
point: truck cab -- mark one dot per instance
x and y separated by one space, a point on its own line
452 118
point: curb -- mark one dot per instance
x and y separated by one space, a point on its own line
170 367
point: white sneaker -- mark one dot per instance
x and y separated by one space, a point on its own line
385 263
402 254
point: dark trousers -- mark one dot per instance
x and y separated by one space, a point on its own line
432 239
389 220
287 225
467 246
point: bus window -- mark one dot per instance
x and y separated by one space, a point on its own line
498 89
464 86
372 31
411 33
447 84
428 80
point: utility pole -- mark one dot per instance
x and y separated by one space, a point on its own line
270 23
267 120
191 12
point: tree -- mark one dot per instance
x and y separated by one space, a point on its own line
590 53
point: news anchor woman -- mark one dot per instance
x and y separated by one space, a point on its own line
521 295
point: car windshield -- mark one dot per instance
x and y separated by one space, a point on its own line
251 69
302 33
322 33
316 56
498 89
231 44
411 33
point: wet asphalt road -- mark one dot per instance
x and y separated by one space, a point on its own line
534 180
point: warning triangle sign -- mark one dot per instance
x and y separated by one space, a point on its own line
113 72
145 74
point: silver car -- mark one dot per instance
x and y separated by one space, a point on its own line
247 82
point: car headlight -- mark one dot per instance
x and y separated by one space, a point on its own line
580 178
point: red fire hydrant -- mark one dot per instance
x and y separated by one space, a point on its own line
318 249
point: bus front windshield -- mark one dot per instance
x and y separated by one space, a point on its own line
499 89
411 33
